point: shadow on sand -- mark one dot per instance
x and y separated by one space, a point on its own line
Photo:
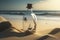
53 35
6 31
10 33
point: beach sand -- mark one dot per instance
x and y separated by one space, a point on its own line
43 28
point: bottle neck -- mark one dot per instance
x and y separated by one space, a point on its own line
29 11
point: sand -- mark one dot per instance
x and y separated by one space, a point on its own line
43 27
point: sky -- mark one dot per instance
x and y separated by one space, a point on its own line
48 5
37 4
15 4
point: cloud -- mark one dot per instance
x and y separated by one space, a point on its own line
47 5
